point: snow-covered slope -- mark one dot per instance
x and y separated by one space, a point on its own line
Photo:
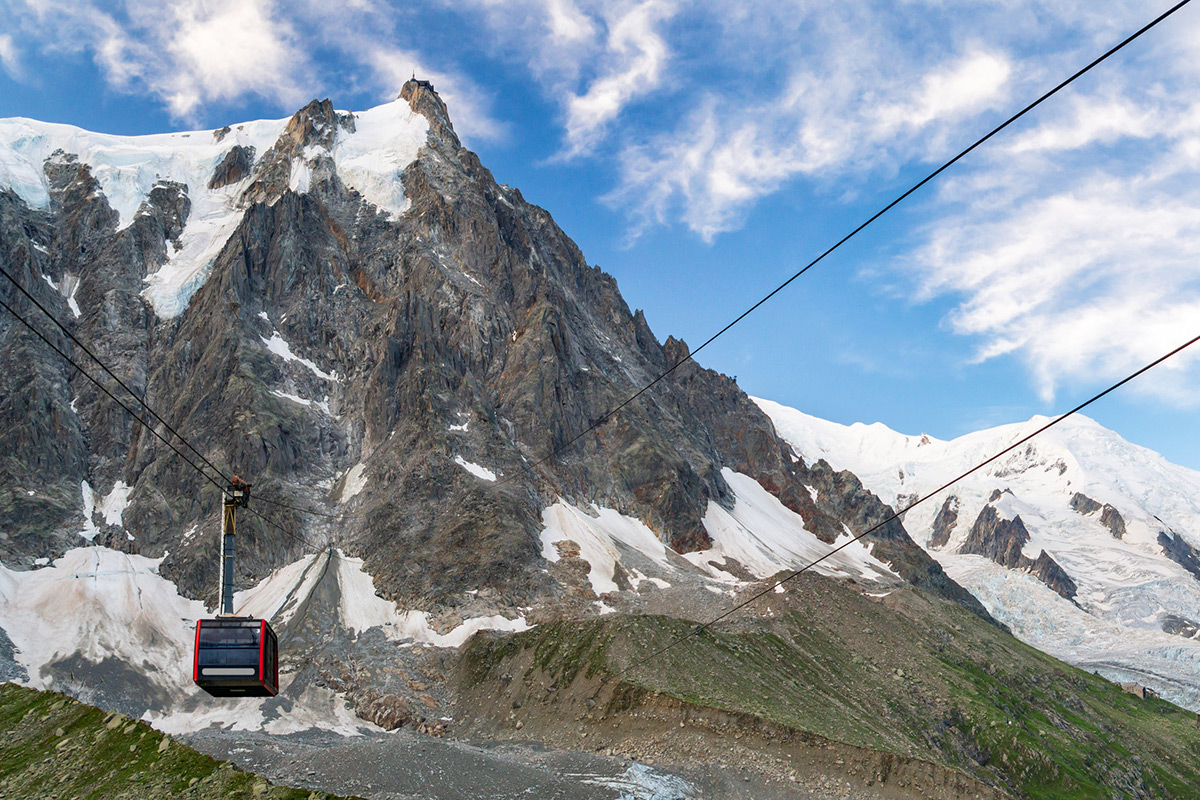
760 534
105 626
368 156
1095 503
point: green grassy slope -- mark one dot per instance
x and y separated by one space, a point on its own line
911 675
52 746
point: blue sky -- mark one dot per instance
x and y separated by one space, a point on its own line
702 152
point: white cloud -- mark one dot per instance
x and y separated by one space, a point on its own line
973 83
186 53
190 53
1083 276
10 59
223 49
634 59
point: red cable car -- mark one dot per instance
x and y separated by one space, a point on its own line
236 657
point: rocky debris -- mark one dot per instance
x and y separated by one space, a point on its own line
1176 548
1002 540
944 522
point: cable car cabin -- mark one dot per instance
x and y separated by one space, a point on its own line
236 657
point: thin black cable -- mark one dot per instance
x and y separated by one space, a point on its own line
111 374
1111 51
142 401
314 512
106 390
897 514
150 427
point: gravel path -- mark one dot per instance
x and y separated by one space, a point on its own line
406 766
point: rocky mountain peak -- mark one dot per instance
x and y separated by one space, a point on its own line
425 101
375 329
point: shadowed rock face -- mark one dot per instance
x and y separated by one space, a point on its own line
1002 540
944 522
470 327
1112 519
1176 548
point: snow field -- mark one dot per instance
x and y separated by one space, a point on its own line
760 533
99 604
385 140
1126 587
483 473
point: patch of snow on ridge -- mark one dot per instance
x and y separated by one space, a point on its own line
96 606
115 503
766 537
280 595
280 347
476 470
89 509
598 538
386 139
98 603
323 405
356 481
361 609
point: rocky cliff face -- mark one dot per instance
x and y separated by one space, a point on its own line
944 522
398 367
1002 540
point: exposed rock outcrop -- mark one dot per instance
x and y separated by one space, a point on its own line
235 166
1109 517
1002 540
1176 548
1083 504
944 522
1112 519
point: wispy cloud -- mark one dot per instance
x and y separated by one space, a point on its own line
634 60
185 53
190 53
10 60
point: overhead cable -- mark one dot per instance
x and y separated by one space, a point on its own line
978 142
897 514
111 374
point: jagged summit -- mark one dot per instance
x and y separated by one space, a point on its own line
348 310
424 100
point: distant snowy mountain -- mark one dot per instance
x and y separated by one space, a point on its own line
1120 521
